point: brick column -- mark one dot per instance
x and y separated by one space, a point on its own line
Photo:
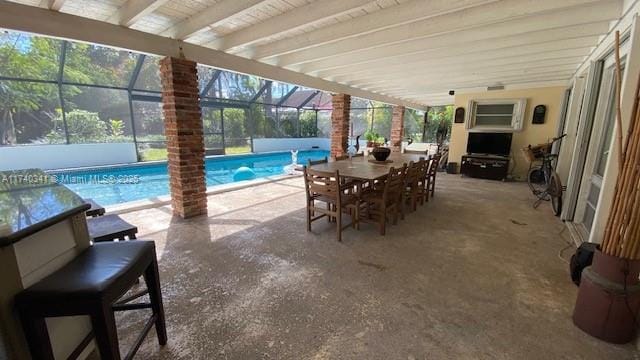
184 133
340 124
397 128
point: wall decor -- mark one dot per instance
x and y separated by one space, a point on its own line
539 113
459 116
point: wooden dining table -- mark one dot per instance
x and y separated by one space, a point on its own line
363 169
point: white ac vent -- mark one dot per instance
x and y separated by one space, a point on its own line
495 87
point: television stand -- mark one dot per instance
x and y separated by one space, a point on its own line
485 166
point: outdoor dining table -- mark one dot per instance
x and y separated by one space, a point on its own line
363 169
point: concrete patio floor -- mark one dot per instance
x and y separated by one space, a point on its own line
474 274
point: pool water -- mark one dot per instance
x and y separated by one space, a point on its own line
120 184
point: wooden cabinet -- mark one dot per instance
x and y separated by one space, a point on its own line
492 167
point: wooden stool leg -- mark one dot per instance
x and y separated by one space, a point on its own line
152 278
37 335
104 327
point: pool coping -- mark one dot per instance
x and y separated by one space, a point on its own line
211 190
214 158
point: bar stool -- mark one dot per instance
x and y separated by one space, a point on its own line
92 284
110 227
95 210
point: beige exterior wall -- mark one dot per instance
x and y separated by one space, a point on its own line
530 134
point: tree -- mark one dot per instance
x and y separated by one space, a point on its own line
234 126
83 127
25 104
30 112
413 124
308 123
439 120
382 116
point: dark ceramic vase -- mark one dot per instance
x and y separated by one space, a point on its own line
609 298
381 153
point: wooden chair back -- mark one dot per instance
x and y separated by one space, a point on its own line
394 185
346 157
316 162
322 184
413 173
433 167
423 169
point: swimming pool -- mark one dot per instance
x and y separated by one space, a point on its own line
120 184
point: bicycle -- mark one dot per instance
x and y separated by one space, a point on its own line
543 180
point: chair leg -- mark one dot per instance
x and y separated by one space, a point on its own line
339 224
152 279
395 215
357 218
37 335
309 215
427 190
104 327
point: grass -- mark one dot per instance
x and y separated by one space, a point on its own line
237 150
153 154
161 154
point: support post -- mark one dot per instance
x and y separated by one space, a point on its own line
184 133
340 124
397 128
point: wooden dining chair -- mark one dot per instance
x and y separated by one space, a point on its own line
433 170
411 183
379 206
423 179
325 187
317 162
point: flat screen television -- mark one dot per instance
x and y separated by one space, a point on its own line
489 143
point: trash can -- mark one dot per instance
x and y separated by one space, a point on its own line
452 168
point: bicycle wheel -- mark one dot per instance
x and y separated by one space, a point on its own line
555 191
535 179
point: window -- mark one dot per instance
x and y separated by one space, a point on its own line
496 115
29 57
382 116
212 126
324 123
30 114
149 126
236 135
149 76
97 65
95 115
414 124
308 123
287 122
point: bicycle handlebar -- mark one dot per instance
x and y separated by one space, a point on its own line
558 138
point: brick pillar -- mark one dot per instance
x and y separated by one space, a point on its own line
184 133
397 128
340 124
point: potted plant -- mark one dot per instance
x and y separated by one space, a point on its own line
371 138
609 294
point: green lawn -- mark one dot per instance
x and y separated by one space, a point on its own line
161 154
153 154
237 150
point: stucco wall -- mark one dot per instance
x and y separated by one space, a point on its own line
530 134
65 156
286 144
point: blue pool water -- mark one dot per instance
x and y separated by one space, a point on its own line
119 184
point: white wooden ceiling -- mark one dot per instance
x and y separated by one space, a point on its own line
414 50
